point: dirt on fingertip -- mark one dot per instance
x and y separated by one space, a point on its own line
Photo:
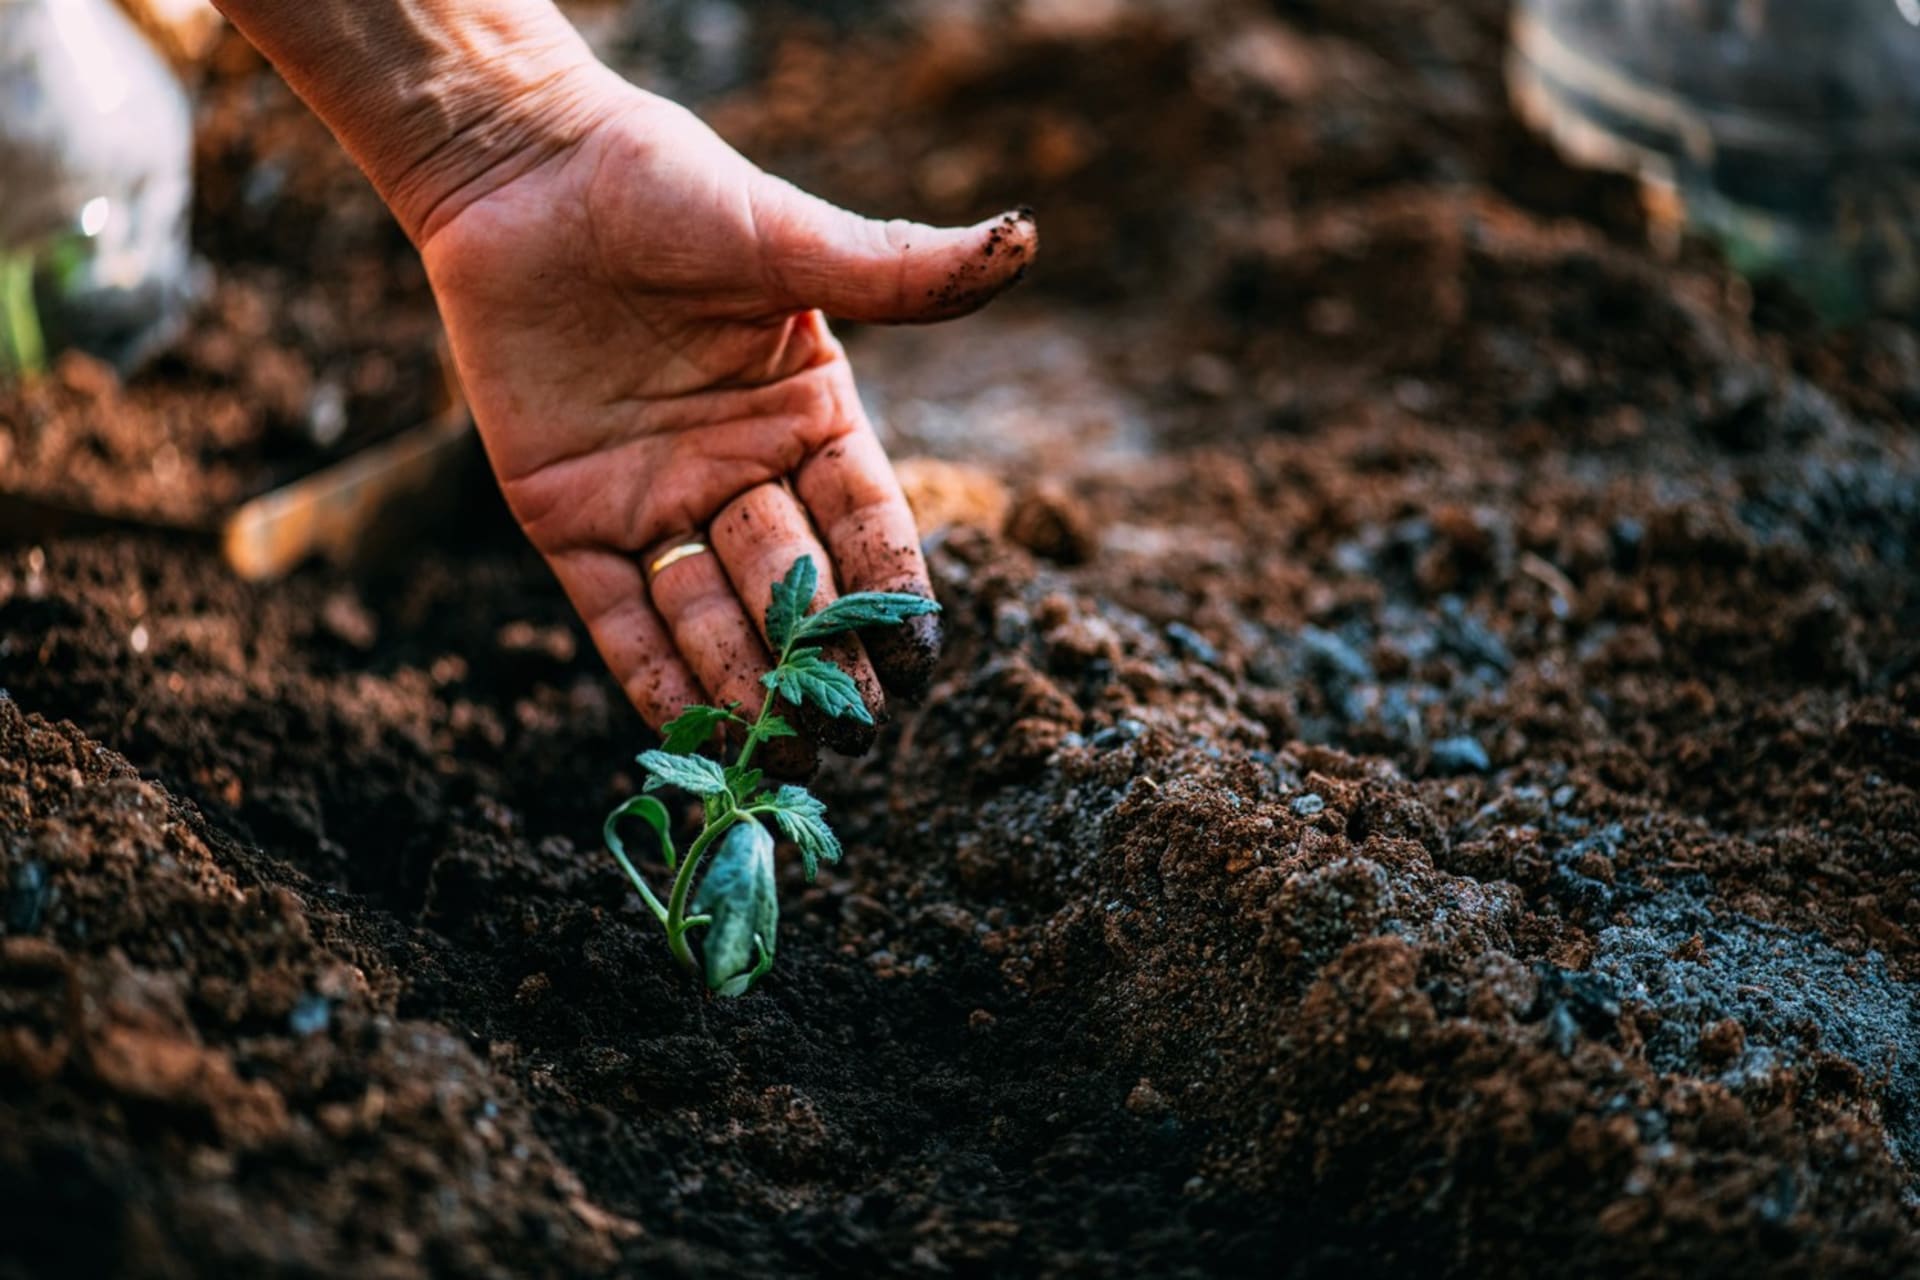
1423 776
975 283
905 655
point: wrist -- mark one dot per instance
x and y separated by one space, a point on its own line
438 101
491 123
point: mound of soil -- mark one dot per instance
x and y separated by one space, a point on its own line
1430 782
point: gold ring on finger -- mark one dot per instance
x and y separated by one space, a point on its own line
684 551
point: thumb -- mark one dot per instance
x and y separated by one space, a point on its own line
895 272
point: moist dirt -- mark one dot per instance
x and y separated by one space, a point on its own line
1428 782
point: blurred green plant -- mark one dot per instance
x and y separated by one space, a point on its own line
736 901
23 347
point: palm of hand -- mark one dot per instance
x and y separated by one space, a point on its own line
634 321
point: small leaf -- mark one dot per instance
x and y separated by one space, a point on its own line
865 609
802 819
792 597
738 893
807 677
743 783
689 731
690 773
776 727
654 814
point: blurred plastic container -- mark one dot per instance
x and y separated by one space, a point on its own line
1788 130
96 144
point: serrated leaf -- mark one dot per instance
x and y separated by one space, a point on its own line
738 893
865 609
806 677
743 782
690 773
803 820
792 597
689 731
776 727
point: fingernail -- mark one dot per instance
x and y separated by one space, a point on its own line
906 655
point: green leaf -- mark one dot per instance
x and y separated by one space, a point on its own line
743 782
737 986
690 773
792 597
776 727
865 609
23 347
738 893
689 731
803 820
807 677
655 815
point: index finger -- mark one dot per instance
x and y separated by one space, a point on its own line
863 518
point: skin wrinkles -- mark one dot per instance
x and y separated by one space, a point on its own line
638 318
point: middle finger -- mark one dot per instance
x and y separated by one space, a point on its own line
759 536
716 638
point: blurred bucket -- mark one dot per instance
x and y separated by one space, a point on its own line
1786 130
96 139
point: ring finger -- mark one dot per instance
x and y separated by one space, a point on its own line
717 640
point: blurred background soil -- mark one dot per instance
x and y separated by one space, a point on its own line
1425 778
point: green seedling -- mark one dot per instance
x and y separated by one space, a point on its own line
736 902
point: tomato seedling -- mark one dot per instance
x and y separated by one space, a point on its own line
736 901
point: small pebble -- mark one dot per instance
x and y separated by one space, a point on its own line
27 895
1329 656
1470 639
1352 557
1011 622
1460 755
1308 805
1189 643
311 1016
1628 536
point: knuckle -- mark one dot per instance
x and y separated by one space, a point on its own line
900 235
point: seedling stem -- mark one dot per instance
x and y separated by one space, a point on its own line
736 900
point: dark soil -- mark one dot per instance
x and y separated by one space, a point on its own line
1429 784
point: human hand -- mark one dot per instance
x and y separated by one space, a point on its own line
637 316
